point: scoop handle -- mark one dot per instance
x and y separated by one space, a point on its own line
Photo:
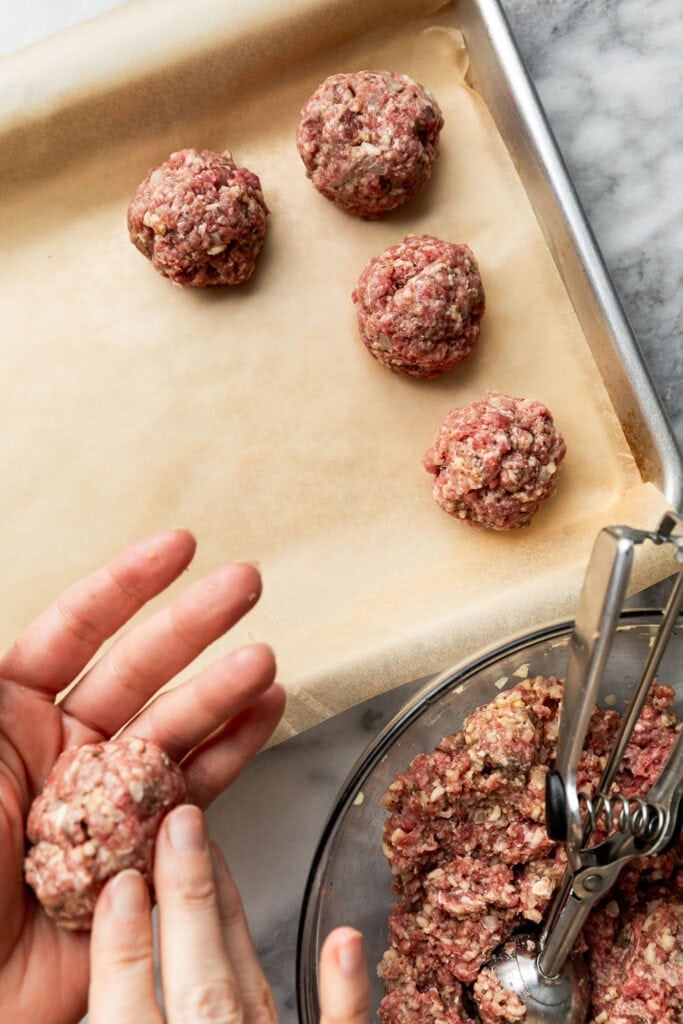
600 603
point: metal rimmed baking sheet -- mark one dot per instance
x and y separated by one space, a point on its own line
254 416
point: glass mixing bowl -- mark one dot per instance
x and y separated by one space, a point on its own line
350 880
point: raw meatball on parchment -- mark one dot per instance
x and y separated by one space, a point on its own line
99 813
200 219
495 461
369 139
420 304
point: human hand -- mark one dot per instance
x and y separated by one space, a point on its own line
209 969
211 725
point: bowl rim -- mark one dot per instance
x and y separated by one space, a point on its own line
307 1004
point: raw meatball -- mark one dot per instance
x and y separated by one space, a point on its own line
420 304
200 219
495 461
99 813
369 139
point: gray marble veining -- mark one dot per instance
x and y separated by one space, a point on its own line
610 76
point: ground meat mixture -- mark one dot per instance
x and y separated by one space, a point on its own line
369 139
472 863
200 219
420 992
494 461
420 304
635 956
99 813
494 1002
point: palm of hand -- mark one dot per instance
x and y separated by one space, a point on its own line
211 725
43 969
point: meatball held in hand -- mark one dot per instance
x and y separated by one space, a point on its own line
99 813
420 305
200 219
369 140
495 461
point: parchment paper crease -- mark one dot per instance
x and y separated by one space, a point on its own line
254 416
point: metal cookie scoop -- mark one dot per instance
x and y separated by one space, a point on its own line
542 971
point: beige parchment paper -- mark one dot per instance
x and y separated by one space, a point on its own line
254 416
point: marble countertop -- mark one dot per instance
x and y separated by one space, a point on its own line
608 75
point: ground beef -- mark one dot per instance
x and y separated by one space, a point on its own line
420 304
200 219
494 461
494 1002
635 957
417 994
99 813
472 862
369 139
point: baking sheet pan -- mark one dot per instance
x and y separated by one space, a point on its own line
497 72
255 417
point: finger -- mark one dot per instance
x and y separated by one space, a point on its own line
122 955
182 718
12 852
257 997
212 766
75 626
198 980
344 981
143 660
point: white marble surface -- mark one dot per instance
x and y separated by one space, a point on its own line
609 75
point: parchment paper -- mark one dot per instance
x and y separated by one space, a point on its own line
254 416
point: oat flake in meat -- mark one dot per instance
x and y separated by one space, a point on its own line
472 862
495 461
420 305
99 812
200 219
369 140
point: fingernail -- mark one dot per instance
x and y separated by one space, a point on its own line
128 894
350 954
186 829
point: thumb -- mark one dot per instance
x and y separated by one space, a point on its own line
344 981
121 955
